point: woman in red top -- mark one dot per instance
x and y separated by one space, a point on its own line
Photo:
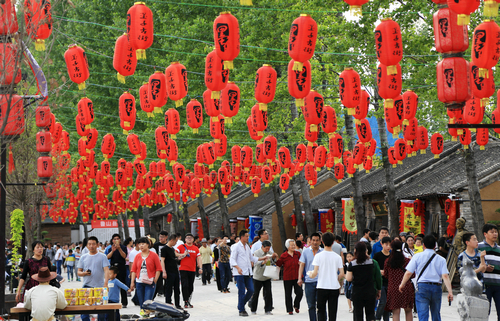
145 272
289 261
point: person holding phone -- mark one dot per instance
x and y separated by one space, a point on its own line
117 255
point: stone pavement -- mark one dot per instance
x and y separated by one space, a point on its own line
212 305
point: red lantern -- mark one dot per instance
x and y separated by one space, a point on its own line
368 164
236 155
410 130
311 150
44 167
301 153
161 139
38 20
172 122
371 148
410 103
270 146
284 182
329 122
127 112
124 58
358 153
437 143
226 189
448 35
208 153
394 116
320 155
157 90
485 46
265 85
259 119
42 116
463 8
482 87
355 6
216 77
313 110
10 70
465 138
389 45
76 63
86 111
43 142
453 80
108 145
364 130
194 115
350 89
310 175
230 101
255 186
400 150
299 82
140 28
302 40
221 147
254 134
134 144
246 157
495 119
227 38
217 128
392 157
482 137
8 18
336 146
473 111
15 120
422 141
285 160
361 110
266 175
260 156
389 86
177 82
338 169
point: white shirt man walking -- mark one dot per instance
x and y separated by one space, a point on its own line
306 260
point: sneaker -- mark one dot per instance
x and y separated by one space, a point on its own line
254 312
179 307
415 314
290 313
269 313
244 314
186 305
143 313
189 304
297 310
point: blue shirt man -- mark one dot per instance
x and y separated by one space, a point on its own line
377 247
306 260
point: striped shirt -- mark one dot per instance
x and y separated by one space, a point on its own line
492 258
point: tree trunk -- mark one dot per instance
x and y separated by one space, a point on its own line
204 217
28 232
279 213
356 185
147 223
187 223
85 229
38 216
474 193
306 204
175 218
390 196
224 212
297 206
137 225
125 225
120 226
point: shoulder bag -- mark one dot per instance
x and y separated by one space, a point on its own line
415 282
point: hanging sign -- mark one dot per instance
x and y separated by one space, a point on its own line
409 221
350 225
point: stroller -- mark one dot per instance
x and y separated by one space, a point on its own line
162 312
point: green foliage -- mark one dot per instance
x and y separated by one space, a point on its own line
16 225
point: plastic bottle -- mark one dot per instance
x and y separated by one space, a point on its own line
105 297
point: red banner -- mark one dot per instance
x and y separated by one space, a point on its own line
411 221
452 209
113 223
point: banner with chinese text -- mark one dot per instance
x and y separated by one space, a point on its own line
349 225
409 221
326 220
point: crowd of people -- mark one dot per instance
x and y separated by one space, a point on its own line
383 275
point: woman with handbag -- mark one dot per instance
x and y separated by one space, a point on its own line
289 261
145 272
394 270
31 267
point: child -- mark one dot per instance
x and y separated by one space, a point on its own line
470 240
78 254
348 285
418 245
114 286
70 264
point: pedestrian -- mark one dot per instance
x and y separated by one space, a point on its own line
179 240
263 236
224 264
191 257
115 286
366 233
348 285
381 257
430 270
289 261
170 271
262 282
129 243
145 272
473 254
117 255
158 246
59 258
30 268
78 255
409 247
44 299
491 279
70 264
93 268
366 279
377 247
216 264
394 270
50 253
241 260
329 269
306 260
206 261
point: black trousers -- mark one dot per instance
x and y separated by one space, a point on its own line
207 273
330 296
367 303
122 276
159 286
289 286
266 292
217 277
172 283
187 281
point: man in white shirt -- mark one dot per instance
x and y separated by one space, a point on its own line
59 258
263 236
44 299
179 241
241 260
330 270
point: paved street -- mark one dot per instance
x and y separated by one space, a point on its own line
211 305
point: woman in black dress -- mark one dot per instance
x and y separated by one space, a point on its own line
31 267
216 263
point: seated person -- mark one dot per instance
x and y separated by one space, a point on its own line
44 299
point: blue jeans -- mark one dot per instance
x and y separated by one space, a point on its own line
144 292
243 282
58 266
381 306
70 272
225 275
428 296
493 292
100 317
311 298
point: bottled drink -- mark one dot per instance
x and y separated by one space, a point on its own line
105 297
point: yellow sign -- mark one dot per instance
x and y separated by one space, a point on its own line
349 216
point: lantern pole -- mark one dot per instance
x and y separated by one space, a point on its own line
3 209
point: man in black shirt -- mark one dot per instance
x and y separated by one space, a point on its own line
170 271
380 257
116 254
158 246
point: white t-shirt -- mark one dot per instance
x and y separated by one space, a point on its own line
132 255
59 255
179 242
329 264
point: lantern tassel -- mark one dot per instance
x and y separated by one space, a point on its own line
463 20
262 106
355 11
12 166
297 66
483 72
351 111
392 70
339 180
436 156
215 95
484 102
389 103
157 110
313 128
394 165
178 103
490 8
299 102
40 45
195 130
466 146
246 2
453 138
228 64
120 77
173 136
81 86
125 132
422 151
229 120
481 147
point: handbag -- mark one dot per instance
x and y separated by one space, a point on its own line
415 282
272 272
144 277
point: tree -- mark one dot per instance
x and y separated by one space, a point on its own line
279 214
